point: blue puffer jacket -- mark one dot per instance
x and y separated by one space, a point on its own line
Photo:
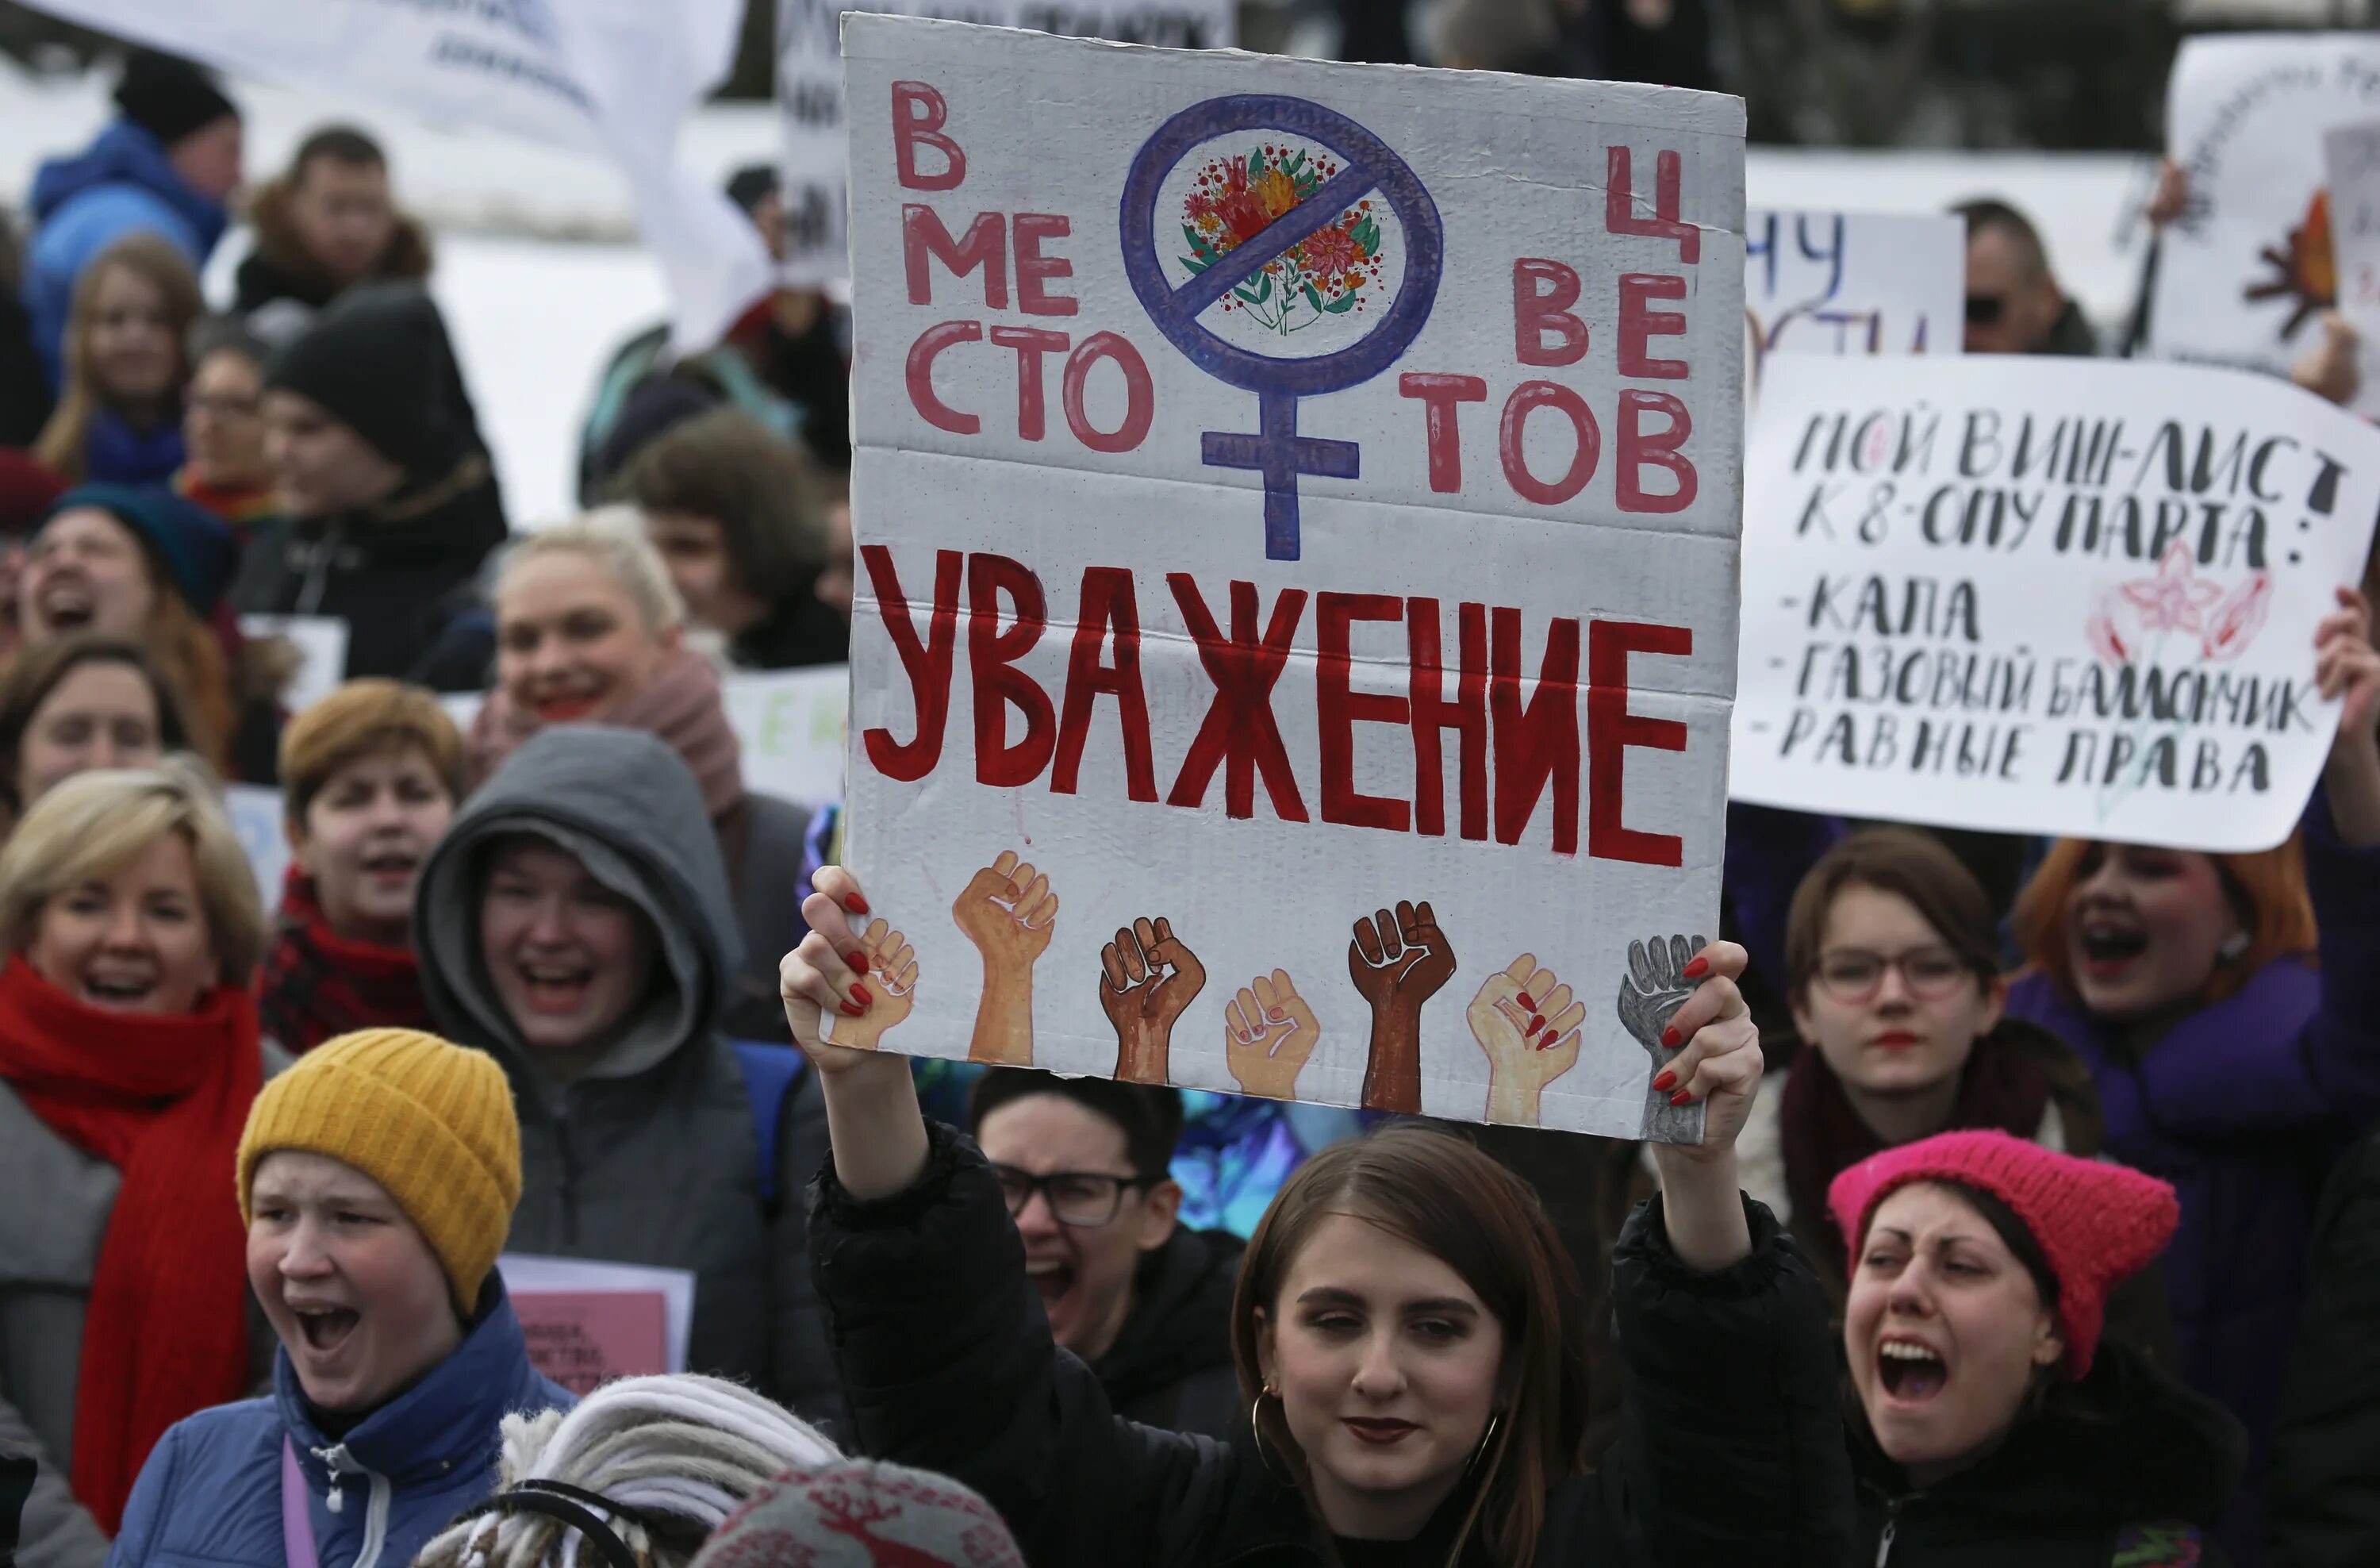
84 203
210 1495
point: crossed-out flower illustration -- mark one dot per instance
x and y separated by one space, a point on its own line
1236 198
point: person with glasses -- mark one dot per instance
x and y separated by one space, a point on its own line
2015 303
223 425
1146 1302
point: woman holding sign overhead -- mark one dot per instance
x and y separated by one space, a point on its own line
1406 1328
2229 1008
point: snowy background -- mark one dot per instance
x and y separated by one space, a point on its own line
542 279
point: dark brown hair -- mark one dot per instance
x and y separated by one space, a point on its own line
1440 1193
1912 866
37 671
729 467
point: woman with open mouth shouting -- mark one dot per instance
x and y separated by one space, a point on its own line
129 1056
1407 1330
376 1179
2229 1008
1993 1426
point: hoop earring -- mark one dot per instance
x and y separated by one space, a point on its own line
1485 1437
2235 947
1256 1431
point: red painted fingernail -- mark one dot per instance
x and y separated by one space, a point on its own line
1669 1036
856 903
1681 1097
859 994
850 1009
1277 1014
1536 1022
1697 969
858 961
1666 1079
1524 1000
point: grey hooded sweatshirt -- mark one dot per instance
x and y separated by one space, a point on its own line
651 1156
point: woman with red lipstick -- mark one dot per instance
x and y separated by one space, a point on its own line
2236 1051
1407 1329
590 630
1993 1426
129 1056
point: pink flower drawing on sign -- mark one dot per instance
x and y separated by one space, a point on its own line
2176 599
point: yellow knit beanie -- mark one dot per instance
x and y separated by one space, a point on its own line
431 1121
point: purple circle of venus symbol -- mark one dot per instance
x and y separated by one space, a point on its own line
1276 449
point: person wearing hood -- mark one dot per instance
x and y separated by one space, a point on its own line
376 1179
1992 1424
325 226
1144 1302
575 922
167 166
591 630
390 498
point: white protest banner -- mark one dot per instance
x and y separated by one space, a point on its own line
2244 271
2351 162
1851 282
1297 511
809 89
612 78
2068 597
321 644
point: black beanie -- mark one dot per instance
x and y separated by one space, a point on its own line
380 362
168 97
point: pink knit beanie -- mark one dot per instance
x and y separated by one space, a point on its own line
2095 1223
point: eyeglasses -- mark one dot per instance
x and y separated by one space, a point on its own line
1852 974
226 408
1085 1199
1984 309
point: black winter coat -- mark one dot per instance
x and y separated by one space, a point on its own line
398 572
2126 1469
1733 1453
1170 1367
2322 1508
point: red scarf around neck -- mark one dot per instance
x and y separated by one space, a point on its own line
161 1100
1823 1136
316 984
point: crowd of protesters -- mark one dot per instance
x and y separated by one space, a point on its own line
2036 1219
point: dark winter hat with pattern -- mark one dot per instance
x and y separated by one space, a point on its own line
379 360
2096 1223
196 551
857 1513
168 97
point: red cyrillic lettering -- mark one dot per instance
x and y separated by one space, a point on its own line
992 654
1108 605
1032 266
1239 729
986 246
1439 394
919 114
1543 293
1619 204
1639 321
1030 344
1139 394
1539 742
1661 450
1466 716
1610 729
1340 708
1527 486
920 372
925 661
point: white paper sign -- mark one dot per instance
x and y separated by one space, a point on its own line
1297 510
2352 160
809 89
1851 282
322 643
2049 597
612 78
2245 270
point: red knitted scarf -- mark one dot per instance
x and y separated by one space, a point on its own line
317 984
162 1100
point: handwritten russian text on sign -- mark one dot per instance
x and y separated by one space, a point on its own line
588 1322
1297 568
1851 282
809 89
2248 265
2051 597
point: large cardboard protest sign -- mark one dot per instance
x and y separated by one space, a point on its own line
2046 596
810 89
2243 273
1297 512
1851 282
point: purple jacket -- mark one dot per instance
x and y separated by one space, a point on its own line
2243 1106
